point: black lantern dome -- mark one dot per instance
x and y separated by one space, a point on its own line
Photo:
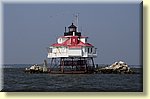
72 31
72 28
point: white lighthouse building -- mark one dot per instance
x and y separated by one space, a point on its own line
73 51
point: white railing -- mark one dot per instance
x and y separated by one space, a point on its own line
65 54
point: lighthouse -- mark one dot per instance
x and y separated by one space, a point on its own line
72 53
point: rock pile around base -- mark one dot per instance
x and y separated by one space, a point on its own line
116 68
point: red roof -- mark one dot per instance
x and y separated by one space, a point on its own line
84 44
72 43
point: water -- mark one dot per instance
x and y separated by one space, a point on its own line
16 80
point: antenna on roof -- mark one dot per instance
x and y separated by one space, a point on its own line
81 28
76 19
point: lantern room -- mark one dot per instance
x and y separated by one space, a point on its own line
72 28
72 31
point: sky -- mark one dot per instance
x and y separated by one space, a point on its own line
114 29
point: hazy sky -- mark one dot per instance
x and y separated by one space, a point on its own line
113 28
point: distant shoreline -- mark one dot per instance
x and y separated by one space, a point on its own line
28 65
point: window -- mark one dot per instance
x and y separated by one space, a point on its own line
72 29
94 50
50 50
60 40
91 50
88 50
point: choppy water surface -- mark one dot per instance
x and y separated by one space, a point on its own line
16 80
